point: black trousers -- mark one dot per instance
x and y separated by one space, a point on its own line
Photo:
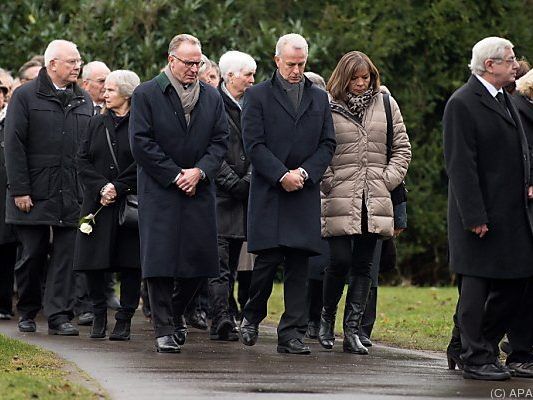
293 322
58 300
169 298
244 279
352 254
221 287
520 333
314 299
83 302
130 291
8 257
485 311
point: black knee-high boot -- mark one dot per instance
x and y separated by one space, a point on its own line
333 287
356 299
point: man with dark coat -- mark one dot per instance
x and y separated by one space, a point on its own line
288 136
178 135
233 184
44 122
490 219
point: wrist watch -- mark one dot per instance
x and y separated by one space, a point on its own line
202 174
304 173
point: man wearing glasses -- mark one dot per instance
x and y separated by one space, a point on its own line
178 136
490 219
43 124
93 79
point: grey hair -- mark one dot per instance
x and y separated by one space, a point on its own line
88 68
490 47
125 80
316 79
235 61
181 38
53 48
295 40
207 65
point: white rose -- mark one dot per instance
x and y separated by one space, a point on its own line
86 228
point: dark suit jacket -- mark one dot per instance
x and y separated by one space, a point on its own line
487 161
178 232
277 139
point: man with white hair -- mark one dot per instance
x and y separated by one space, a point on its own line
93 79
43 124
490 219
233 183
288 136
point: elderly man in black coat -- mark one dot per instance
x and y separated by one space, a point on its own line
178 134
289 138
44 122
490 217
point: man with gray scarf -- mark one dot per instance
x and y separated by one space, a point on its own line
178 135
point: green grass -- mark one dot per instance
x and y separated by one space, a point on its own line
28 372
408 317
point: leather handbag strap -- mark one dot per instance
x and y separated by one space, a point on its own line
111 149
388 115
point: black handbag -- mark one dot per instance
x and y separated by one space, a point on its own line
399 194
128 213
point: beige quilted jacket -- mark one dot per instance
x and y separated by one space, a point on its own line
359 170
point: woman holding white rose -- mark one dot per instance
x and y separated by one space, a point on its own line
103 245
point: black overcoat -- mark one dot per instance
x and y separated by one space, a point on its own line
487 162
6 230
233 178
277 139
178 232
109 246
41 142
525 111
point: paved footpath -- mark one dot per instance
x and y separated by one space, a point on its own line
206 369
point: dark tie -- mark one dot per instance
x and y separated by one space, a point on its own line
501 100
97 109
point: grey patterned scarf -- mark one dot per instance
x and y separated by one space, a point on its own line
357 104
188 97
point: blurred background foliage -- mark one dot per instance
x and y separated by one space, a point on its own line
421 47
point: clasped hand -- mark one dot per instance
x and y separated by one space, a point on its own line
293 181
188 179
108 194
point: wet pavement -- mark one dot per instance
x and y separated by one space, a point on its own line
206 369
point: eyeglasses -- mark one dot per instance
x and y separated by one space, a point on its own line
99 81
72 62
511 60
189 64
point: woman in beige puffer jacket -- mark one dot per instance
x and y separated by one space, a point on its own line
356 207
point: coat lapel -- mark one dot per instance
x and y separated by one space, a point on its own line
178 109
197 110
304 104
488 101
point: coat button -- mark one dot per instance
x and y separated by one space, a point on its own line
111 167
243 157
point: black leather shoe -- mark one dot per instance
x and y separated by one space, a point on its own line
167 344
454 359
180 330
248 332
521 370
293 346
312 330
64 329
365 341
485 372
223 329
197 319
27 325
5 316
99 327
122 330
85 319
